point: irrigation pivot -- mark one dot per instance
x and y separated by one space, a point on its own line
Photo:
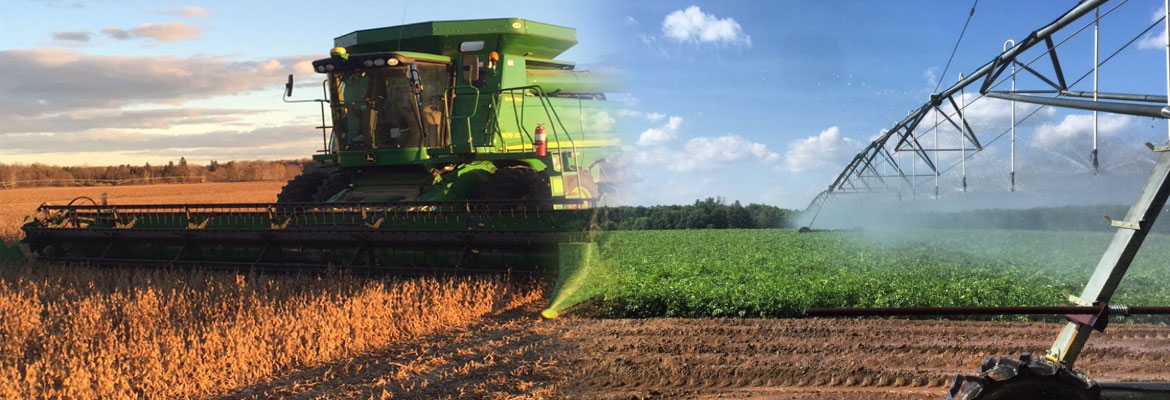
1050 376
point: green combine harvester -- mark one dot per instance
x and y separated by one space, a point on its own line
454 147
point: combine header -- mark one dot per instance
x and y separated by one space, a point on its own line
454 147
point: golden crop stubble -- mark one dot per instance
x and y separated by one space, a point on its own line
87 333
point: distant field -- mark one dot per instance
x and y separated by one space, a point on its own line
15 204
771 273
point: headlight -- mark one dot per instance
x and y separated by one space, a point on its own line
379 62
329 67
321 68
392 62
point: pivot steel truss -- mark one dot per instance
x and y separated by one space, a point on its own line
1132 230
861 174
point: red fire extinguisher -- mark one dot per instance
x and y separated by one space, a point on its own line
541 142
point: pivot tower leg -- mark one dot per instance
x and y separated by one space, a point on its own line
1117 258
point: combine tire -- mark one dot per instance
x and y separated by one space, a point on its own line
516 183
301 189
1025 378
330 186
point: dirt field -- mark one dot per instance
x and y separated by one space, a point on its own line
15 204
515 355
826 358
511 353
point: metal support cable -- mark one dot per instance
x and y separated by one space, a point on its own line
997 137
1085 75
1038 57
1123 47
956 48
1050 49
1045 53
1058 44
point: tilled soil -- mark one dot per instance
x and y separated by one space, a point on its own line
516 355
827 358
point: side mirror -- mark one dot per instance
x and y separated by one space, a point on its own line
288 86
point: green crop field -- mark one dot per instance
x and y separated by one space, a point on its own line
771 273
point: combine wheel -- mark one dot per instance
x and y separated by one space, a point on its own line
1026 378
330 186
516 183
301 189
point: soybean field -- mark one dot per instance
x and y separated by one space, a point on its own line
779 273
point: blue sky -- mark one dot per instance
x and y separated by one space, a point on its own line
753 101
806 84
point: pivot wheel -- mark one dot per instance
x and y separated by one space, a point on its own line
1024 378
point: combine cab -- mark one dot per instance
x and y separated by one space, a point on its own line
454 146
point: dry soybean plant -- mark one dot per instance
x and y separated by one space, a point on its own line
78 332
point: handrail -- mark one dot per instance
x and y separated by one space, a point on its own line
550 113
474 109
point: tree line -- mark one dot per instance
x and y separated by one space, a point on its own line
712 213
34 175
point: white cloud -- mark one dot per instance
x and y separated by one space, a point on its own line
626 99
692 25
930 75
1077 131
46 80
168 32
87 119
826 149
986 113
704 153
1156 40
663 134
988 117
188 11
649 116
117 33
72 36
599 121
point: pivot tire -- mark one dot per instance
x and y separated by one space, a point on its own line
301 189
1025 378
